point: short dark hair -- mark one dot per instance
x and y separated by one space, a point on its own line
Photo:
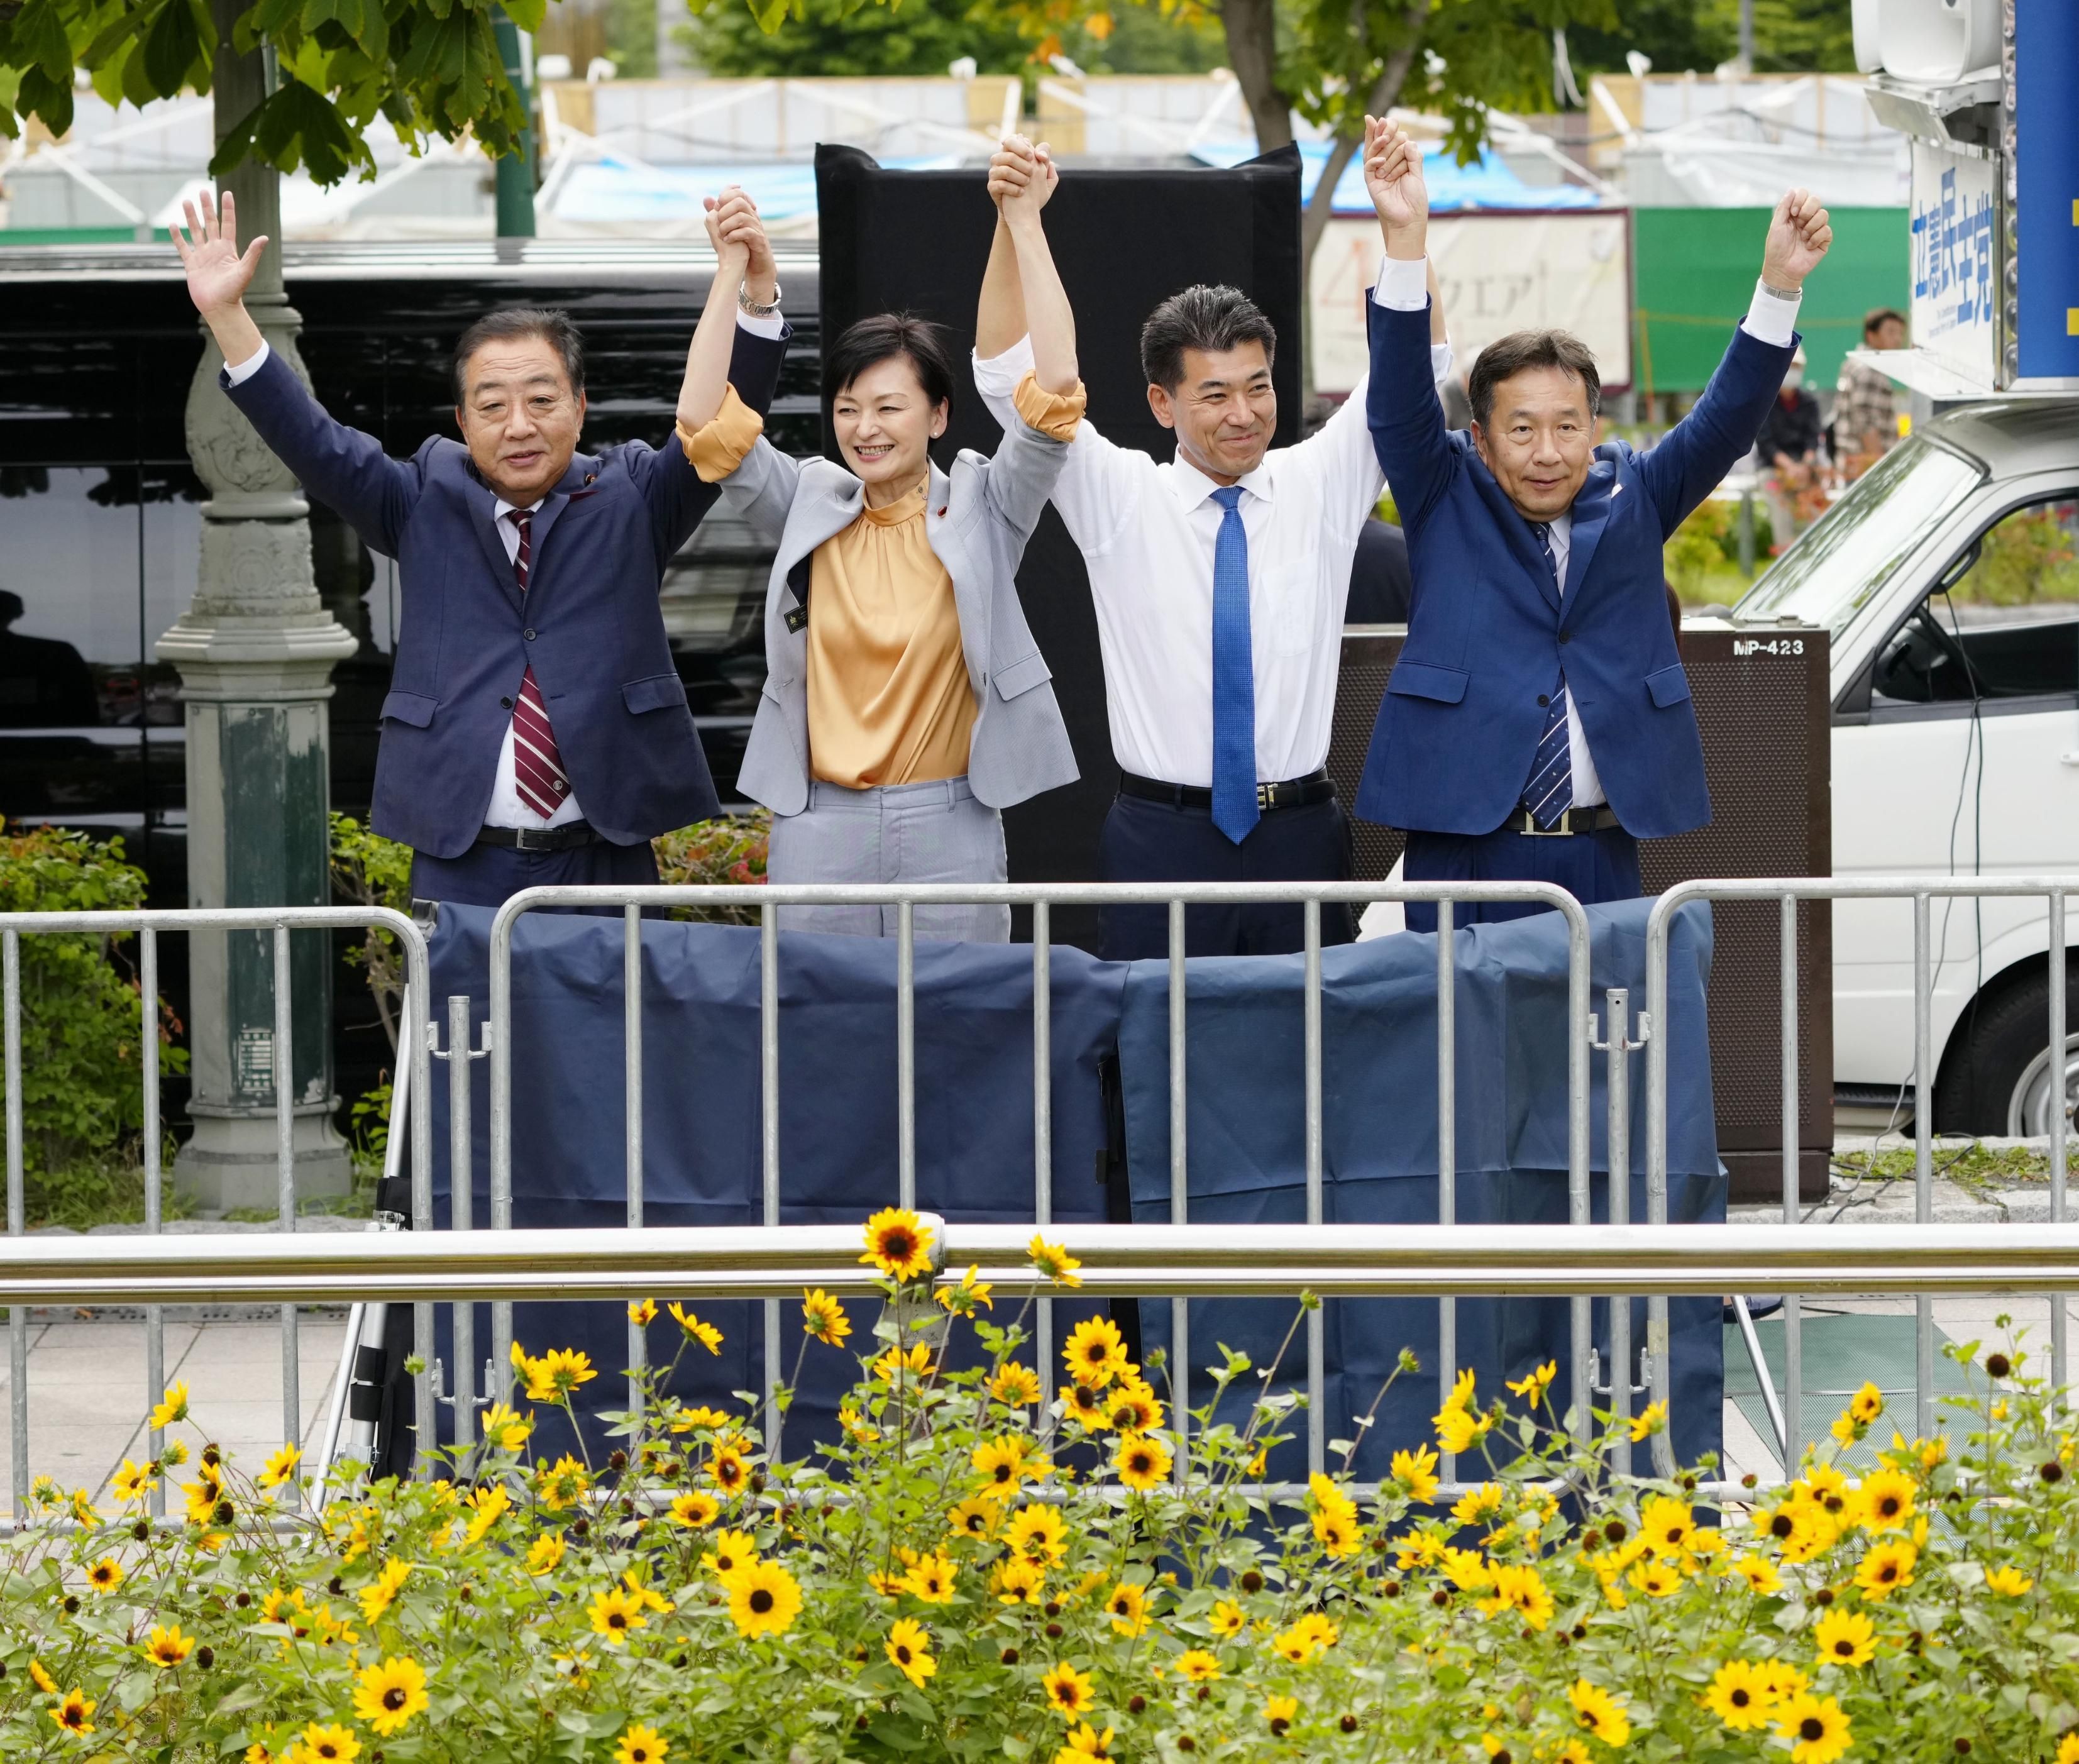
1213 319
509 325
881 338
1507 357
1876 316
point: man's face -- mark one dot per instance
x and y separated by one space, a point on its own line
1223 410
519 417
1539 440
1888 335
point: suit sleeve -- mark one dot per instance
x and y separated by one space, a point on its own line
345 470
672 488
1693 458
1403 412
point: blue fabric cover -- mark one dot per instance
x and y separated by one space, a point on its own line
1246 1130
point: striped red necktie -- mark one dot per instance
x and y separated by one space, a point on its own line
537 767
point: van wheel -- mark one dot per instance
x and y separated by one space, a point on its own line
2000 1081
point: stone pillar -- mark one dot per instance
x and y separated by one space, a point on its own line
255 653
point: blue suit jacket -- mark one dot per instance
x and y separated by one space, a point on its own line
589 622
1489 630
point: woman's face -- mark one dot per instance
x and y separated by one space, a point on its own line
885 425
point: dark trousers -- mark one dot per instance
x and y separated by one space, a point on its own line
490 875
1159 842
1592 866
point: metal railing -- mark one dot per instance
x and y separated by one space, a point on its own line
146 926
1041 898
1785 1414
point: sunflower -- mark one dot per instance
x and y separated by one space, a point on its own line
1317 1631
1083 1404
205 1493
1068 1690
133 1482
1845 1638
168 1647
854 1427
381 1593
1600 1714
1094 1352
732 1550
1656 1580
908 1647
171 1407
1867 1404
974 1518
931 1578
898 1243
1458 1428
971 1294
642 1312
1229 1618
1142 1463
42 1679
1796 1527
640 1744
326 1746
1338 1533
2008 1582
545 1555
72 1711
388 1695
2068 1749
1018 1582
1127 1605
1650 1420
1667 1525
694 1330
1038 1534
1887 1568
695 1509
280 1467
1416 1472
1760 1574
1885 1501
1084 1742
1476 1504
556 1373
764 1600
1533 1386
487 1507
1005 1461
1467 1569
1816 1728
824 1319
107 1574
1521 1589
1280 1713
1133 1407
1194 1666
729 1469
614 1613
505 1429
1015 1384
891 1366
1053 1262
1741 1696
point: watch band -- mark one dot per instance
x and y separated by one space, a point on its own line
750 306
1781 293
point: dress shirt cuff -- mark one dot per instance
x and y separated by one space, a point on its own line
252 365
772 325
998 376
720 444
1403 284
1054 414
1771 319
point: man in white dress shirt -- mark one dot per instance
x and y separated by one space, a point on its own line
1219 579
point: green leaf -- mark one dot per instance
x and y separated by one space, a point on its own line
527 13
39 38
171 47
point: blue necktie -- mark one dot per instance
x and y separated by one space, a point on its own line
1550 793
1235 810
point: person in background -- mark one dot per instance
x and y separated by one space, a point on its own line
1382 590
1538 723
906 703
44 681
1865 405
534 673
1220 580
1788 449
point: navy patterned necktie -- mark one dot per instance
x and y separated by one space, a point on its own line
1549 794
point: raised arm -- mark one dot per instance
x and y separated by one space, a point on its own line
706 383
342 467
1401 405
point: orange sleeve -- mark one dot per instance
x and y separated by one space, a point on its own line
1054 414
720 444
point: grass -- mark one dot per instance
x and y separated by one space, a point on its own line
1980 1170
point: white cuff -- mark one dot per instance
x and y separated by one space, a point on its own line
772 325
1771 319
252 365
1439 362
997 377
1403 284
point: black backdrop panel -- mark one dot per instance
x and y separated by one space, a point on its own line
918 241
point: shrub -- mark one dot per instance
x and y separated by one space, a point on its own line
82 1098
368 870
936 1584
710 853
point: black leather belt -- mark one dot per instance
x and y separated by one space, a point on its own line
563 838
1599 819
1293 793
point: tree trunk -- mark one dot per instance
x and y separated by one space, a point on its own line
1251 26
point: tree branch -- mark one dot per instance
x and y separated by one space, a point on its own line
1385 94
1251 30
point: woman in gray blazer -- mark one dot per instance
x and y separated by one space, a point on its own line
905 703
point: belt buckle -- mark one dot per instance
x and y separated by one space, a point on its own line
1266 797
532 839
1562 830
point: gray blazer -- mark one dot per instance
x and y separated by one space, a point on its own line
977 521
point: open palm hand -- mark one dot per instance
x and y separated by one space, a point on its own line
218 273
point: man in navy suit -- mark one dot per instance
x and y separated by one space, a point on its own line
1537 723
537 732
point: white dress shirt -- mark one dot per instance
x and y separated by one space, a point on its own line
1147 531
507 809
1403 287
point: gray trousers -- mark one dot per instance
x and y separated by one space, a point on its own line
932 832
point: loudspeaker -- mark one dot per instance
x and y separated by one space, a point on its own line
1761 707
916 241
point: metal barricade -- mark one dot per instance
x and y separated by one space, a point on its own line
146 926
1041 898
1785 1416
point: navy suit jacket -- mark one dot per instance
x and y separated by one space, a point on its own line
589 623
1489 630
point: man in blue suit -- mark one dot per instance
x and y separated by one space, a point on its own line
1537 723
537 732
